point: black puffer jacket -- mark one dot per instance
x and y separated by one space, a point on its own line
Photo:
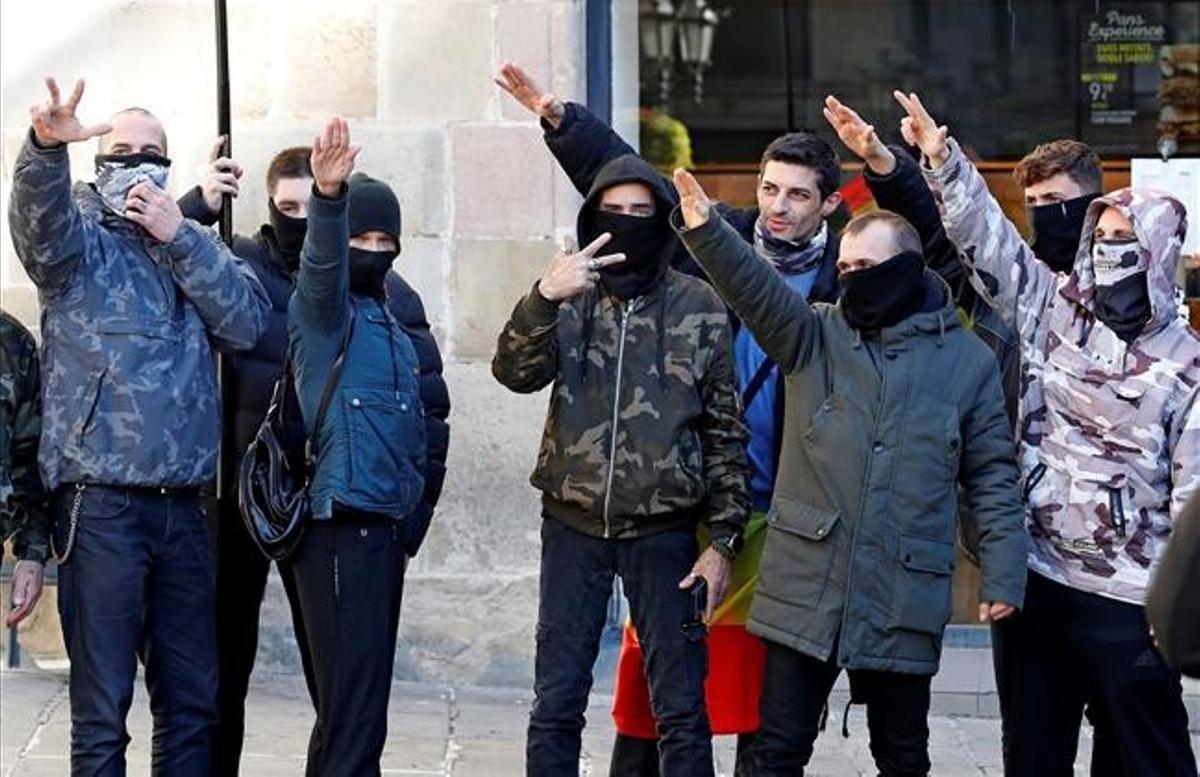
255 372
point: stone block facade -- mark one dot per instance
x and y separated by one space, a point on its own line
483 208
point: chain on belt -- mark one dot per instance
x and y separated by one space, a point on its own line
76 504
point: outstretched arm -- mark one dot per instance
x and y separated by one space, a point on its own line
323 286
780 319
580 142
1005 272
48 233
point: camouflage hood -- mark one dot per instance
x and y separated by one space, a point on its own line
1160 223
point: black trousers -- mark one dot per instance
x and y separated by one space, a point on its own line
1068 648
138 584
796 689
577 574
241 582
349 575
637 757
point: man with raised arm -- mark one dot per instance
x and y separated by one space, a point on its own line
1109 448
134 300
889 404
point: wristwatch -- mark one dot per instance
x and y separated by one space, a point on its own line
727 546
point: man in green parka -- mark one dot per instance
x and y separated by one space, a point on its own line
889 403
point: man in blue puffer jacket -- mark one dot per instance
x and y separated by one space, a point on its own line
370 455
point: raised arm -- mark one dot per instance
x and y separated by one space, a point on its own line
322 296
896 183
580 142
1005 272
48 233
780 319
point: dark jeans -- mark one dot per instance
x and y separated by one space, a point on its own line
636 757
796 689
241 581
576 580
1068 648
138 584
349 576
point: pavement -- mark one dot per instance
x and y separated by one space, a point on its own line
447 731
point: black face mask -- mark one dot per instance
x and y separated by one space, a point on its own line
642 240
289 234
368 270
885 294
1056 229
1124 306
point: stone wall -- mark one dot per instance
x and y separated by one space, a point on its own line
483 205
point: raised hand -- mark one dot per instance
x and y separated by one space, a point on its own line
574 272
693 202
920 130
54 121
333 157
514 80
154 210
221 176
858 136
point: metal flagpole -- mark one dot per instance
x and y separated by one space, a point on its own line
225 460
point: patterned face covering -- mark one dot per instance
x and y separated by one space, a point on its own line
1122 298
116 174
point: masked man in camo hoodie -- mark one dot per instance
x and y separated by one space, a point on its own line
1109 438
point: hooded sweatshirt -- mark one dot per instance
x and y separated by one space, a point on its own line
1109 432
644 431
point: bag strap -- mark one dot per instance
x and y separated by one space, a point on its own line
335 375
756 383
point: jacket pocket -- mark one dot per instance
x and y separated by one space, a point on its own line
922 596
386 452
801 545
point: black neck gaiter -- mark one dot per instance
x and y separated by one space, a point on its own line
642 240
1056 229
885 294
289 234
368 269
1124 306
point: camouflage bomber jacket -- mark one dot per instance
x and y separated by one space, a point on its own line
1108 434
644 430
23 513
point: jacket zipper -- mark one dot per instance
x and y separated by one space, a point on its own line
840 641
612 448
1116 509
387 322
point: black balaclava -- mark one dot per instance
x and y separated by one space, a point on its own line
642 239
885 294
373 206
289 234
1122 297
1056 229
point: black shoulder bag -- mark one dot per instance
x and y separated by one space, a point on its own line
272 489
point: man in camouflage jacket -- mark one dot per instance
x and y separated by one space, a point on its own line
643 440
134 299
22 498
1109 447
